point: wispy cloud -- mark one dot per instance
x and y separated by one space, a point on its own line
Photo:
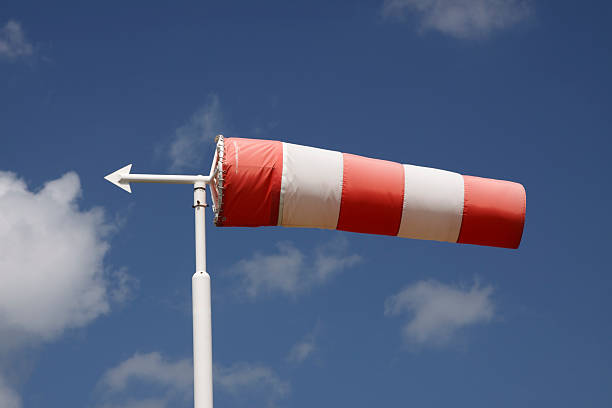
189 140
52 252
171 382
290 271
164 382
13 42
245 380
151 368
438 311
8 397
305 348
461 18
139 403
301 350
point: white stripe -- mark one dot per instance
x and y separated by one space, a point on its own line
311 187
284 182
433 204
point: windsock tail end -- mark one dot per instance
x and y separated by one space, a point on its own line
493 213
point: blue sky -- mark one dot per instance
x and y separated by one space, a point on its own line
95 297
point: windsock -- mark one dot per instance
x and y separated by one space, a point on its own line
266 182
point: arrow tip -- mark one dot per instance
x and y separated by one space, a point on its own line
116 177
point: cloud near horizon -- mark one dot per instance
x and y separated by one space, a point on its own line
438 311
465 19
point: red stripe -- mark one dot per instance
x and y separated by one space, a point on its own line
493 212
252 171
372 195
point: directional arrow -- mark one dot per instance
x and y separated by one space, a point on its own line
117 178
200 281
122 178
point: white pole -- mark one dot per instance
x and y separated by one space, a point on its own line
202 330
200 281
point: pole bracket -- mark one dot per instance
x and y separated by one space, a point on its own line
198 204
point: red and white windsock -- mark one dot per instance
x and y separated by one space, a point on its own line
265 182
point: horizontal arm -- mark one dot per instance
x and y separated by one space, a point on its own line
163 178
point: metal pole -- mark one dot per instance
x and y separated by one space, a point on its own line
202 329
200 281
162 178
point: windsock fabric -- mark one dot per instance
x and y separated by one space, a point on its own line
275 183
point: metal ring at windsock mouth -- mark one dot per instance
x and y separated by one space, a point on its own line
217 180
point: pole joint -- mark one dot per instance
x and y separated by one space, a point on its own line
198 204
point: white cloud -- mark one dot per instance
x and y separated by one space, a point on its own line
172 382
52 270
305 348
8 397
53 252
462 18
301 350
135 403
123 286
244 380
189 141
437 311
151 368
13 42
290 272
